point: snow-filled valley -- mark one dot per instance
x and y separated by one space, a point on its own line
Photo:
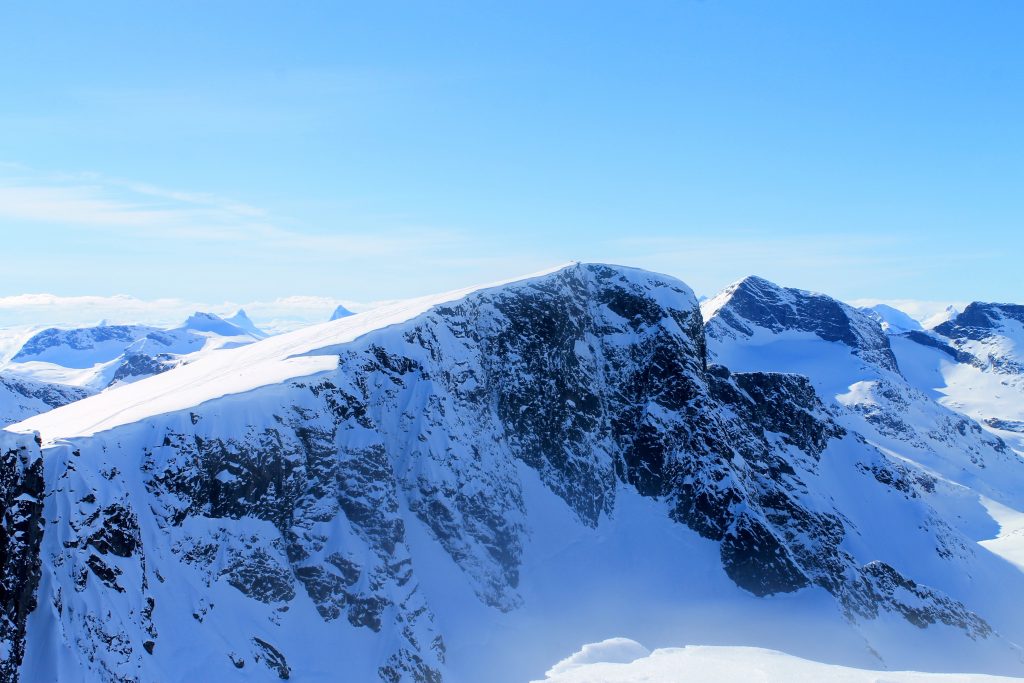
475 485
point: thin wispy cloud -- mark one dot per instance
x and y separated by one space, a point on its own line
89 201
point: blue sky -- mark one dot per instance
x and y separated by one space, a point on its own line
237 151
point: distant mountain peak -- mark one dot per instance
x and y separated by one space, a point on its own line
980 315
242 320
203 321
893 320
756 303
341 312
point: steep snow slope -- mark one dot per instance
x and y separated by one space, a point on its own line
625 661
462 487
97 357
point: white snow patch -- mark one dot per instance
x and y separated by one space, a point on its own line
716 664
610 651
1009 543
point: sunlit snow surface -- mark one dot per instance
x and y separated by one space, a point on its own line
605 663
1009 543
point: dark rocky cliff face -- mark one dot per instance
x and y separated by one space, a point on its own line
594 377
21 531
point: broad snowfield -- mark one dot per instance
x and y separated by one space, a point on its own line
465 487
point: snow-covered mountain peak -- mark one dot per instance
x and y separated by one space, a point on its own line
936 319
242 321
893 320
980 321
80 347
340 312
759 326
756 309
988 336
201 321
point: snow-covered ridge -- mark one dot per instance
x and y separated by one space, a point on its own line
992 333
234 371
241 320
340 312
758 325
927 314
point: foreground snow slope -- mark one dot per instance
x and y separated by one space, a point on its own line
464 487
726 665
